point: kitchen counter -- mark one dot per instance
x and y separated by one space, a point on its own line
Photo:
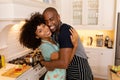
33 73
111 75
4 69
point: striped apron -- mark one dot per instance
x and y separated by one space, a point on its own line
79 69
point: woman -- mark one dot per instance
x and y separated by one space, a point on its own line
35 34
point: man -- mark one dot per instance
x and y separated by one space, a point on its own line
78 68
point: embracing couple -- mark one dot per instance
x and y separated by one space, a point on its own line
60 45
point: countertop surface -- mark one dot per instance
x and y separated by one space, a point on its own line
4 69
8 66
111 75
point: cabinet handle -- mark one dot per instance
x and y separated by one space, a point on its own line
101 53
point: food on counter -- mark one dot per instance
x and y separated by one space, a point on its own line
116 68
118 73
16 71
20 67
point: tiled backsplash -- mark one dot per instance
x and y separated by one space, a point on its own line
84 34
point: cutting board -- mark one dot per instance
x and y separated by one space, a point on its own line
15 72
111 75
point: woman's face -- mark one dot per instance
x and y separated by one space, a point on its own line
43 32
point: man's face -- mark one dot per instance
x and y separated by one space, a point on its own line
52 20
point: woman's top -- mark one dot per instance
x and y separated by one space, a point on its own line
47 48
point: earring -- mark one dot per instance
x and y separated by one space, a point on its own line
37 37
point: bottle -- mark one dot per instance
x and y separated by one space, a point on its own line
0 62
3 60
90 40
110 44
106 41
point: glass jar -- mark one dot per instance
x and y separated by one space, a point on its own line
99 40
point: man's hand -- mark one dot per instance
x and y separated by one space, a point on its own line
45 64
74 37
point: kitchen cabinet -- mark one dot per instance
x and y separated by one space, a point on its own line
85 12
99 59
88 14
21 9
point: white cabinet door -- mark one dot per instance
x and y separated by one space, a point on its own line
88 14
106 58
99 59
93 60
85 12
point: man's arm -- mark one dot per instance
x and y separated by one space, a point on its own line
65 54
74 38
62 62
